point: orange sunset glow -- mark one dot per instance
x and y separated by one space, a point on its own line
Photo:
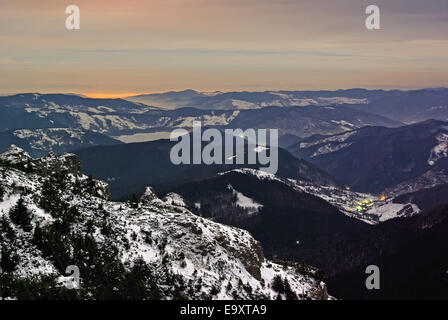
111 95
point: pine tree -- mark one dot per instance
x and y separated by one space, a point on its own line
2 192
38 237
278 284
91 185
9 260
29 166
49 194
6 229
290 295
134 201
21 216
51 201
77 187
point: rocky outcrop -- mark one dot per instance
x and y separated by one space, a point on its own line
320 292
71 163
15 155
65 164
175 200
150 197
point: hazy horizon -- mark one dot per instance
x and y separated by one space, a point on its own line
123 96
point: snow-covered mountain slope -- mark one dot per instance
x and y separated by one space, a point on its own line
363 206
309 120
432 178
117 117
107 116
373 159
409 106
426 198
318 112
404 106
70 111
246 100
303 227
52 217
39 142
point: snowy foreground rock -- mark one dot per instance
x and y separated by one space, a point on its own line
53 217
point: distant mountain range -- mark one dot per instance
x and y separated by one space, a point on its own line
311 120
358 107
31 111
404 106
117 117
370 152
244 100
39 142
373 159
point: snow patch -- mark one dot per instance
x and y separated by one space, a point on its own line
440 150
244 202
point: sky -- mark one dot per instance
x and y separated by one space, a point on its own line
137 46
